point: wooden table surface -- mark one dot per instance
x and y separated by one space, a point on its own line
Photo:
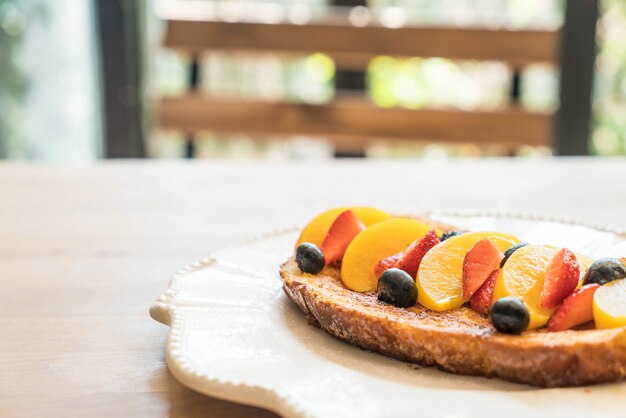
85 250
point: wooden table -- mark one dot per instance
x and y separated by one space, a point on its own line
85 250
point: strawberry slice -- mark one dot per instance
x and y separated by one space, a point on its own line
482 298
412 257
341 233
562 275
386 264
576 309
482 259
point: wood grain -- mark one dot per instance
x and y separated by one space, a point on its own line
339 38
84 250
358 121
200 26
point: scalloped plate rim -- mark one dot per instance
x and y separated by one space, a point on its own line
272 398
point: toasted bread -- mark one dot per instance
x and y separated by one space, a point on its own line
458 341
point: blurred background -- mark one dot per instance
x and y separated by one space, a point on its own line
86 79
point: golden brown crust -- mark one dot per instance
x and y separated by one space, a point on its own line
459 341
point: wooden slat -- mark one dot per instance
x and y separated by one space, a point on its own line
359 44
354 119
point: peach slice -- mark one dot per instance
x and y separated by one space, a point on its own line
609 305
584 263
374 244
317 229
440 276
523 276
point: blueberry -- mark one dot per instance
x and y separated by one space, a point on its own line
510 251
310 258
605 270
449 234
397 288
509 315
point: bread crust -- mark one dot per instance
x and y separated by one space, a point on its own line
458 341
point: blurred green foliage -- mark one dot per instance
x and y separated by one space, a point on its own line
411 83
609 130
15 16
13 83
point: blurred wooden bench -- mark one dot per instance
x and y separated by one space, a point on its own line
352 122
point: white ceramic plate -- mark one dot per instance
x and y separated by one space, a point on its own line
236 336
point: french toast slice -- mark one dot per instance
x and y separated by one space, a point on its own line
459 340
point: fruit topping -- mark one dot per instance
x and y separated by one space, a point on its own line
374 244
397 288
340 235
523 277
576 309
386 263
317 229
480 261
482 299
510 251
609 305
561 279
605 270
509 315
310 258
412 257
440 276
449 234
